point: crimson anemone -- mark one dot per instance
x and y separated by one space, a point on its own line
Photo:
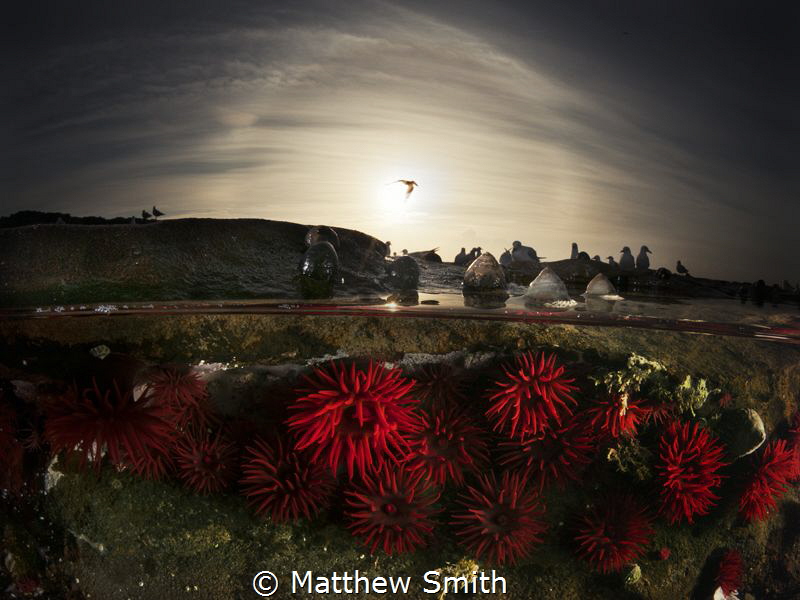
689 460
618 414
613 532
773 470
354 417
109 419
152 464
500 521
534 392
447 446
729 573
439 385
204 463
555 456
283 483
183 396
392 509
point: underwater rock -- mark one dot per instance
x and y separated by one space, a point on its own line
483 275
547 287
322 233
319 271
599 304
600 286
404 298
403 273
491 299
741 430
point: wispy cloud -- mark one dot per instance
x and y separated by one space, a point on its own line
309 120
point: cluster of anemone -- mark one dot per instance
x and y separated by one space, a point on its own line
392 509
618 414
690 460
447 446
500 520
773 469
394 444
729 574
556 456
534 395
356 418
613 532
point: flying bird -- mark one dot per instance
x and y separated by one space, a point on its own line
410 184
157 213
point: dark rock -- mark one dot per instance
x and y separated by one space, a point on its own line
176 259
403 273
322 233
319 271
484 275
741 430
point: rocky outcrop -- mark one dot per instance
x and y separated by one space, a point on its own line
170 260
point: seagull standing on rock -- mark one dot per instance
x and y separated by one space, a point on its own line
626 262
146 215
612 262
522 253
157 213
642 261
681 269
574 253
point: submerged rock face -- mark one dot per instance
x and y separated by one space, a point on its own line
484 275
547 287
175 259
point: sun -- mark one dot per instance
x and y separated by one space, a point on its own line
392 201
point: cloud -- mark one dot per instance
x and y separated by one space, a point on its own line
305 117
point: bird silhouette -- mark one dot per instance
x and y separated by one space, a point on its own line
681 269
146 215
642 261
157 213
626 261
410 184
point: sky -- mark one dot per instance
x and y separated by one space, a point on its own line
673 125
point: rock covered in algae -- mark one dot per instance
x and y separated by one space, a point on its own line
403 273
547 287
600 286
484 275
322 233
319 271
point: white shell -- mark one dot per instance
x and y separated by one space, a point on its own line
600 286
547 287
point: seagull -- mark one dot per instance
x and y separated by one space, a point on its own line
409 185
574 253
146 215
612 262
681 269
626 262
642 261
522 253
157 213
